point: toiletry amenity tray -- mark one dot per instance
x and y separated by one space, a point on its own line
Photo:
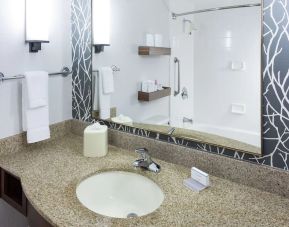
150 96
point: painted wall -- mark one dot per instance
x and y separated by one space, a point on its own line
148 16
16 59
275 92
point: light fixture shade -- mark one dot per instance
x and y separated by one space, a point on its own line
101 17
37 20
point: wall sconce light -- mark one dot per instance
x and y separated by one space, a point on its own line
101 16
37 23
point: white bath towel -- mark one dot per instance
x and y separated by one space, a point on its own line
37 89
106 88
35 106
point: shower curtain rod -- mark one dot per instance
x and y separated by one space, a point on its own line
175 15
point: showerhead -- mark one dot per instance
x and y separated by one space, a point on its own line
188 26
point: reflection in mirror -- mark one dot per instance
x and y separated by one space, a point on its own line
191 68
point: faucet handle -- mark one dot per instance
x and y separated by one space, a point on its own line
144 153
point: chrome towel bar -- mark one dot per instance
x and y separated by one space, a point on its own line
113 67
65 72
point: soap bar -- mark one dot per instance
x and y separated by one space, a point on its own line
95 141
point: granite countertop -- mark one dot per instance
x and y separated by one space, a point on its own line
50 174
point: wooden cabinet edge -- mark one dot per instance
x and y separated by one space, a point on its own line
34 218
22 208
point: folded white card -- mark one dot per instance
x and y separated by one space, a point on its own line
200 176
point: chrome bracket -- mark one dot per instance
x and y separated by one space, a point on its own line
1 77
66 71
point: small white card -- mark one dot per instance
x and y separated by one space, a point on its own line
199 180
200 176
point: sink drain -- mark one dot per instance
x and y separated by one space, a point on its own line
132 215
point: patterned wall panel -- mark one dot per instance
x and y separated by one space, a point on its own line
82 62
275 107
276 83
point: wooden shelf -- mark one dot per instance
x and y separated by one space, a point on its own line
148 51
150 96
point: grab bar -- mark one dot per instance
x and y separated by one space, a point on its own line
177 61
65 72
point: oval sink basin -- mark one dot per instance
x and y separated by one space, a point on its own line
120 194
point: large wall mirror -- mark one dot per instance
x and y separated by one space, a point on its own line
188 68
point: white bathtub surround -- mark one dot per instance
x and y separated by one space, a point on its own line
156 120
217 65
122 119
35 107
249 137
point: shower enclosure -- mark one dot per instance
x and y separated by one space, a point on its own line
218 57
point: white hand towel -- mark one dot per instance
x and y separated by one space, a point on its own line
37 88
95 89
105 86
107 80
36 119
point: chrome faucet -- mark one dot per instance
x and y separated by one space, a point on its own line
146 162
171 131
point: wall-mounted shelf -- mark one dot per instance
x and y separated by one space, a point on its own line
148 51
150 96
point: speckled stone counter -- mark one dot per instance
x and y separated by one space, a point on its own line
50 174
